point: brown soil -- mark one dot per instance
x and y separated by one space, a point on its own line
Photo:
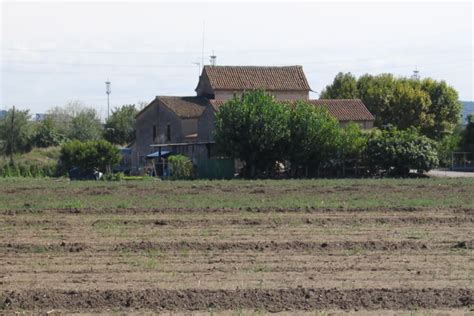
273 300
270 259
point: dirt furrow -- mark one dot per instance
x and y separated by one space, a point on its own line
308 209
273 300
238 246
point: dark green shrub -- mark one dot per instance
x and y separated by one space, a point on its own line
396 152
89 155
181 167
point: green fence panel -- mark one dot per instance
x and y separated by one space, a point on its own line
215 169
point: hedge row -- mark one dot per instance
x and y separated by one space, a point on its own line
28 170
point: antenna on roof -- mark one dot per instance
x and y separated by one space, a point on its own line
213 58
202 51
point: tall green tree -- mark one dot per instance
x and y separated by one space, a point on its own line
253 128
428 105
344 86
62 116
445 108
15 132
376 92
86 126
467 141
46 134
409 107
313 138
119 127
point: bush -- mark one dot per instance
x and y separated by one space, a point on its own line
396 152
90 155
181 167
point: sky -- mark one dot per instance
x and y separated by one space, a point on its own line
53 53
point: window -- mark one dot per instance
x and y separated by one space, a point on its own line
154 132
168 133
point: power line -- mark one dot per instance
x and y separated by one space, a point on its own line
97 65
99 52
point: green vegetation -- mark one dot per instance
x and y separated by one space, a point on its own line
253 128
40 162
89 155
428 105
397 152
235 194
119 127
181 167
15 132
314 136
467 142
262 132
47 135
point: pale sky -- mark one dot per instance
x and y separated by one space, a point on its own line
52 53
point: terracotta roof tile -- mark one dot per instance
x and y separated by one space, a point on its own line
342 109
184 107
288 78
346 109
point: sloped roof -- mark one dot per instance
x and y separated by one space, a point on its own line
341 109
183 107
346 109
288 78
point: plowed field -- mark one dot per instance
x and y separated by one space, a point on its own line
391 246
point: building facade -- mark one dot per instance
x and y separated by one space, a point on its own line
186 124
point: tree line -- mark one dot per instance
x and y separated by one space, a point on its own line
421 115
74 121
31 148
266 134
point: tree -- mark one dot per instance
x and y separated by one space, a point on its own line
46 135
62 116
313 137
467 141
409 107
86 126
352 141
376 92
445 108
15 132
253 128
428 105
119 127
344 86
396 152
89 155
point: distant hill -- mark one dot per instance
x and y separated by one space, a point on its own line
468 108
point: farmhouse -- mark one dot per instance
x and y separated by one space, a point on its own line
186 124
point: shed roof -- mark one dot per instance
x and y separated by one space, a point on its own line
342 109
287 78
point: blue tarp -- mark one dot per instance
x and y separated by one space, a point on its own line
157 154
